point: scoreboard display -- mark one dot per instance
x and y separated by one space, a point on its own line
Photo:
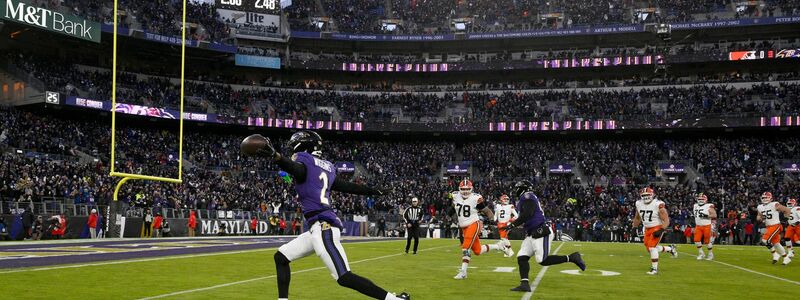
270 7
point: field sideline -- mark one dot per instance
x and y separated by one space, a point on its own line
615 270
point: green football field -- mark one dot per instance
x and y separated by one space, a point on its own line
616 271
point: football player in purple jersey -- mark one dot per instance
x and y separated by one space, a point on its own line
314 179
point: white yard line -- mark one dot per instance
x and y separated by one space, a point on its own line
539 276
271 276
117 262
750 271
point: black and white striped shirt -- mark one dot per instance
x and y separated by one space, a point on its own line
413 215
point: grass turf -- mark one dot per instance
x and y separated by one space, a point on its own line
427 275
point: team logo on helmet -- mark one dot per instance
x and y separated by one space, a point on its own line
306 141
647 195
791 203
766 197
465 187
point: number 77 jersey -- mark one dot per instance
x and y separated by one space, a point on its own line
466 208
649 212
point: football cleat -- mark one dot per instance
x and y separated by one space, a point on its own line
700 256
674 251
775 257
404 295
791 254
710 256
506 246
523 287
652 272
460 275
576 259
786 260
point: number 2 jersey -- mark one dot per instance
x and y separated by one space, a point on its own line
769 213
649 212
701 214
466 208
314 193
504 213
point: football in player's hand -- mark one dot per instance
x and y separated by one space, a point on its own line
252 144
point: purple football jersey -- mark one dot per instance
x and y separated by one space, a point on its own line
315 192
538 214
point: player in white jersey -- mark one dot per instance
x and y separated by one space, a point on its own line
705 220
504 213
769 213
793 230
652 213
467 205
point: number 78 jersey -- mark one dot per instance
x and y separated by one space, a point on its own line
649 212
466 208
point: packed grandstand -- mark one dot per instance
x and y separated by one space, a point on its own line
404 113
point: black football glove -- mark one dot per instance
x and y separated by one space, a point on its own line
658 232
268 151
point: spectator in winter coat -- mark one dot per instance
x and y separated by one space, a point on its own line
148 223
92 224
254 226
687 232
157 225
296 224
192 225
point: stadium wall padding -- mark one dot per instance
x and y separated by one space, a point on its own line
76 227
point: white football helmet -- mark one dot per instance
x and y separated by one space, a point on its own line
766 197
647 195
465 187
702 199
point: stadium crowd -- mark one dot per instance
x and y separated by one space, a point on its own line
649 103
731 171
428 16
425 16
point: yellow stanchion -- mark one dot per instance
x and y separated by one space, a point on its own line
126 176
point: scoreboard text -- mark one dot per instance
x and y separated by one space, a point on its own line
272 7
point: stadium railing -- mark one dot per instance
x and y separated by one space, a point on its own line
49 206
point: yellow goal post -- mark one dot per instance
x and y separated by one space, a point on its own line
126 176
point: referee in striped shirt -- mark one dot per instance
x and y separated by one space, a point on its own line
411 216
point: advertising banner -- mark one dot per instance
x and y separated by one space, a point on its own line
458 168
345 167
305 124
381 67
791 167
553 126
258 61
600 62
560 168
132 109
24 13
249 17
672 168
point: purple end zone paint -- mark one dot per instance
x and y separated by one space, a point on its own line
214 247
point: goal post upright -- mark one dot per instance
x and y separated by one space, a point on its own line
125 177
